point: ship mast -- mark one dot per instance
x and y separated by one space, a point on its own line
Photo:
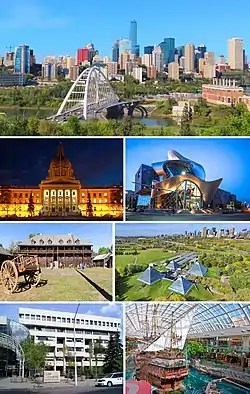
171 334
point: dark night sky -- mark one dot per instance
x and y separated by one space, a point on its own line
96 161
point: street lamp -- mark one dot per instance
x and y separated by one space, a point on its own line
78 305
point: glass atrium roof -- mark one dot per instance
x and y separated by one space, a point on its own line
146 320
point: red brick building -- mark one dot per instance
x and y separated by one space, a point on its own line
225 91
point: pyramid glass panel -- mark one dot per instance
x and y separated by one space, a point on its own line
150 276
181 285
197 269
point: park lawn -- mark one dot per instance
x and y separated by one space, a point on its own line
101 276
200 294
64 285
139 291
212 272
145 257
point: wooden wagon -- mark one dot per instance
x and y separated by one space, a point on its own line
21 266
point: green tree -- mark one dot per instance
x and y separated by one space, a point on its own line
73 125
195 349
35 353
239 281
113 361
185 121
33 125
201 108
89 206
103 250
98 349
91 353
33 235
31 205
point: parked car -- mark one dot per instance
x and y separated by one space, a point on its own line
112 379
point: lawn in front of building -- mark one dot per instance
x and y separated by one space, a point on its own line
65 285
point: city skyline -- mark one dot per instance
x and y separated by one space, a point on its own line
148 229
90 232
48 18
220 158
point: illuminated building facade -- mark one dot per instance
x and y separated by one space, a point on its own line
178 183
61 194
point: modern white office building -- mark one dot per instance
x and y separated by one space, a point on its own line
56 330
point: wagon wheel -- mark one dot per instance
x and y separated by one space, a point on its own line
33 277
9 276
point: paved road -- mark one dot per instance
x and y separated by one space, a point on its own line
144 216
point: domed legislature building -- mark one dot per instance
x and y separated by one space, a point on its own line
61 195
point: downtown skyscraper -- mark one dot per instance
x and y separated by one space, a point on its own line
22 59
135 49
168 50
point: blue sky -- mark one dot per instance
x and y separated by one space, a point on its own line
99 234
148 229
221 158
60 27
101 309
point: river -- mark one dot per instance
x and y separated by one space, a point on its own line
43 113
13 112
156 121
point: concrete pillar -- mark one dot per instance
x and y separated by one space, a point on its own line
223 81
234 83
229 82
49 199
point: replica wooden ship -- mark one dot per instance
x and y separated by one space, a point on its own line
164 369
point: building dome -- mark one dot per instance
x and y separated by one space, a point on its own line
60 166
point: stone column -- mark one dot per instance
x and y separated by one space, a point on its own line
49 199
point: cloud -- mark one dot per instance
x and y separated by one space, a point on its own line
90 313
115 309
40 17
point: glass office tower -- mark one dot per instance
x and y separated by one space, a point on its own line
133 36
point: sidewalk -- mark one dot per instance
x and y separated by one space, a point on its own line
6 384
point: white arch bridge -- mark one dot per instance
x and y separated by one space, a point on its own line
90 95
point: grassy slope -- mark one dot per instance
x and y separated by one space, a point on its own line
145 257
65 285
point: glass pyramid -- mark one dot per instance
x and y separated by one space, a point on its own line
197 269
173 266
150 276
181 285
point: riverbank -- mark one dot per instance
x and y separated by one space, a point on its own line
16 107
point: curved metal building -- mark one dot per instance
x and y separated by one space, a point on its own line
177 182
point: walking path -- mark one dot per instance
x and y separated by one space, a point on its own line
9 384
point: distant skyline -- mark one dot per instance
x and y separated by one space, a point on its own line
221 158
99 309
148 229
99 234
95 161
59 28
